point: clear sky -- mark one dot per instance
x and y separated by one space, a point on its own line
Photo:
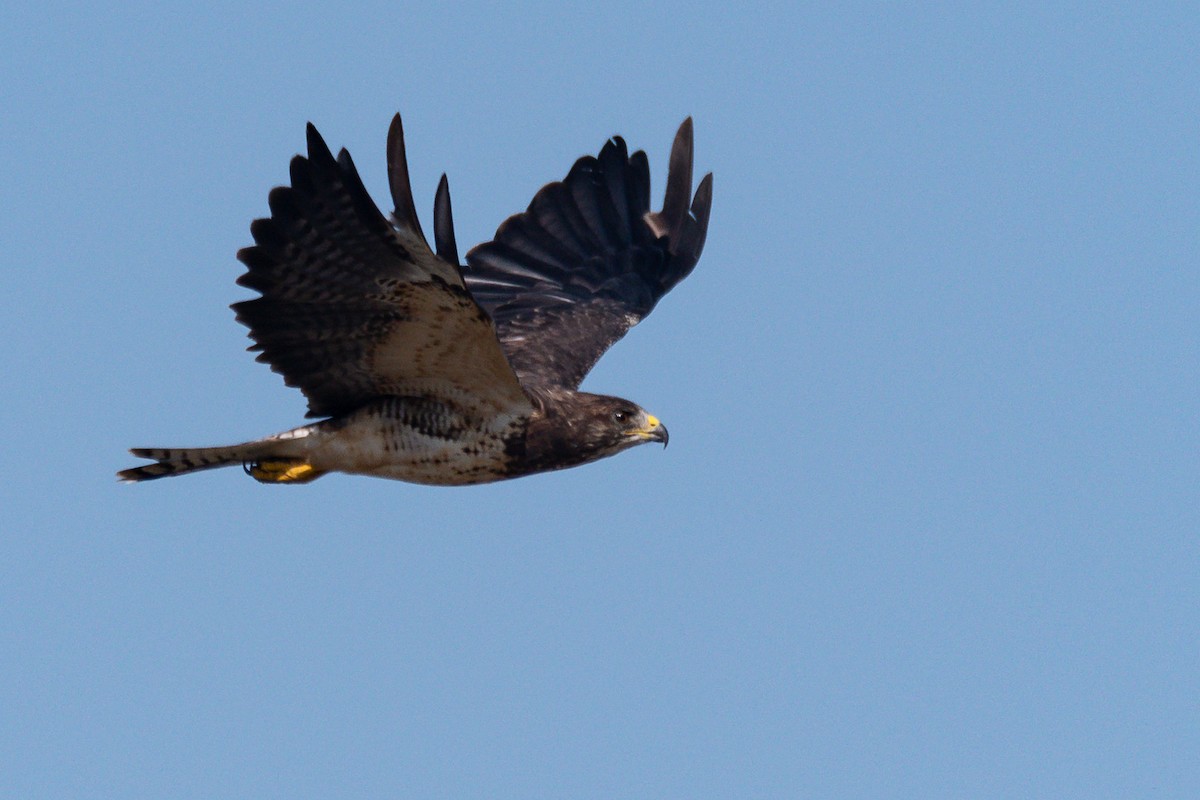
927 527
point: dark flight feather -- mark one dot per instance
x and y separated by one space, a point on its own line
354 306
397 160
443 223
588 259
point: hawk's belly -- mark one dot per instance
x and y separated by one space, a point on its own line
416 441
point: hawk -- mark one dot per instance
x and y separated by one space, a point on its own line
423 369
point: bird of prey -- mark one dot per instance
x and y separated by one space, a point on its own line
423 369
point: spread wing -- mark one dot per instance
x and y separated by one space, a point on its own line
588 259
355 306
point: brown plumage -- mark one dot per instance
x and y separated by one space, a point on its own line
434 372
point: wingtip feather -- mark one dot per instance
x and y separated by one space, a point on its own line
317 149
679 179
702 202
398 179
443 223
691 242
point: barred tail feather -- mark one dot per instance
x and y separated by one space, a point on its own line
276 459
180 461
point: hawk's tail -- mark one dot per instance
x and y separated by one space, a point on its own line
276 459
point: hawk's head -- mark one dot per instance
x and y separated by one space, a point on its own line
612 424
571 428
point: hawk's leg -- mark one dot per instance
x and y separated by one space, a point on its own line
282 470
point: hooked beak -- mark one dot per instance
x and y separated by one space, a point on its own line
654 431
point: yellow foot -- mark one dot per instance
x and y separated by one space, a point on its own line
283 470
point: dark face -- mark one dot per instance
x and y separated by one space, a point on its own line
578 427
613 424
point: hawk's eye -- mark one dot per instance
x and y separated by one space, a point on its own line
621 415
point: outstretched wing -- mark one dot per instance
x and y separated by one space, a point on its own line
588 260
355 306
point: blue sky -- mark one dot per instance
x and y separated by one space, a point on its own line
928 523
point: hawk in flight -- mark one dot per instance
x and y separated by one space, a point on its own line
427 370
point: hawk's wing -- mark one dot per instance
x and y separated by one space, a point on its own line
568 277
355 306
